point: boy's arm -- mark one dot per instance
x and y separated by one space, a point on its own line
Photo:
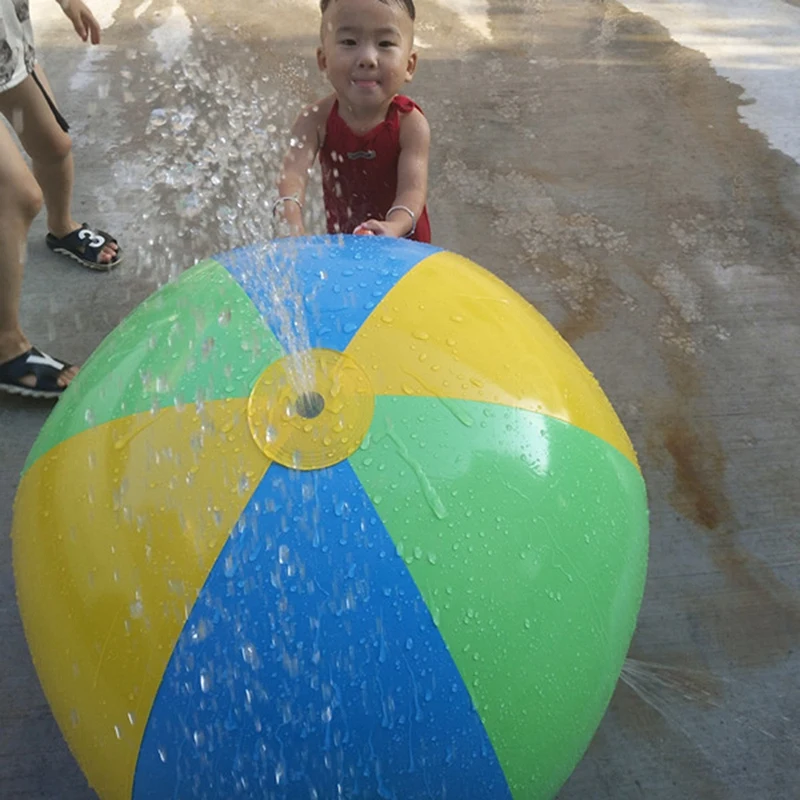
296 165
412 178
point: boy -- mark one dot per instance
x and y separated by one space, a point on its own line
373 144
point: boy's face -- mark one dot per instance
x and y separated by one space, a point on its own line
366 51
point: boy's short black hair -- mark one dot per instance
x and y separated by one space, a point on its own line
407 4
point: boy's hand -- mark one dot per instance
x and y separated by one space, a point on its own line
82 19
376 227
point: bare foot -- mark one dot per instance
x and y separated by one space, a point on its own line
66 376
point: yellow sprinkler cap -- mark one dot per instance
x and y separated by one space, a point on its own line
311 410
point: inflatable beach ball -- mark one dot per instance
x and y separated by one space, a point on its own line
331 518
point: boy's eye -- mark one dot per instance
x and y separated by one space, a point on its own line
387 43
348 42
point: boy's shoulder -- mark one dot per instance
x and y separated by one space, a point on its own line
321 109
413 122
412 117
316 113
405 105
310 124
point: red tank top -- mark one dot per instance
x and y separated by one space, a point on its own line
359 172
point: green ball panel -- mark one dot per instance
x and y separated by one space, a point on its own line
527 537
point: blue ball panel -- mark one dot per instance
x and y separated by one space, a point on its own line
277 275
310 667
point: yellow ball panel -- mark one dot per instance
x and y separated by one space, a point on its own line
101 636
450 329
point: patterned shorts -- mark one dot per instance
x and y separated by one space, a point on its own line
17 56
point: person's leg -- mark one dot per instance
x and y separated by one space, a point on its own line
20 202
50 149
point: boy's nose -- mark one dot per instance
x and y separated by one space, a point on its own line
367 56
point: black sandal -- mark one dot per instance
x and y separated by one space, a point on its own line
45 369
85 246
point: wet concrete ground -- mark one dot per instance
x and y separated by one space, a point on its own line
601 170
